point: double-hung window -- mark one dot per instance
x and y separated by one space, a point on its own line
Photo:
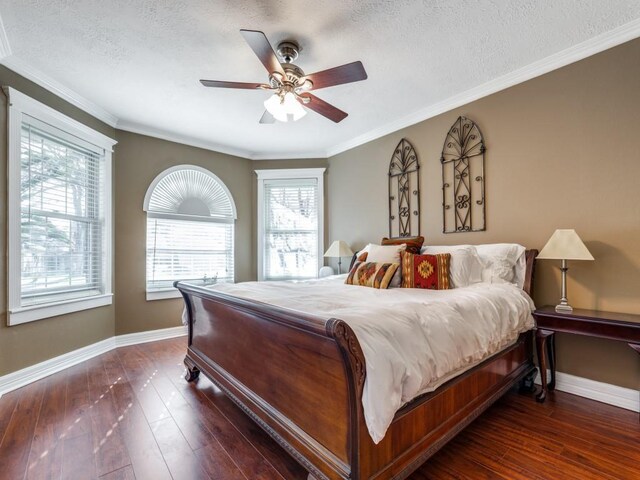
290 223
190 230
59 213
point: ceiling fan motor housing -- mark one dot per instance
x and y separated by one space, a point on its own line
295 77
288 51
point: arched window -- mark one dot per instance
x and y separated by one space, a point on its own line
190 229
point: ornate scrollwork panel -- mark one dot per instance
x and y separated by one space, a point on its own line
463 195
404 191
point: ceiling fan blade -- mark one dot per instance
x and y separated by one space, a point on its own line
262 48
351 72
323 108
267 118
243 85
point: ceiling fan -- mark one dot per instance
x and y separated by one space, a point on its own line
290 83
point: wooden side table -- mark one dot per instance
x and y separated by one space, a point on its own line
614 326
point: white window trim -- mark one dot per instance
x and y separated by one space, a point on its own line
283 174
163 294
173 292
19 105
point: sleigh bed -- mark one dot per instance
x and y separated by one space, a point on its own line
301 378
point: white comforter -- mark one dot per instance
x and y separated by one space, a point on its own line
413 340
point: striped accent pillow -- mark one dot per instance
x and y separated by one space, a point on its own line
426 271
371 274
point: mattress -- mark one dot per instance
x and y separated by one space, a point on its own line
413 340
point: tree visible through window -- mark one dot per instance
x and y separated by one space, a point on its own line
290 223
60 218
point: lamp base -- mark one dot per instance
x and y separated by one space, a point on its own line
564 308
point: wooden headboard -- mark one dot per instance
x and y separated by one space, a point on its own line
530 255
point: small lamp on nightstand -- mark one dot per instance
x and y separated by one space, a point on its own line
564 244
338 249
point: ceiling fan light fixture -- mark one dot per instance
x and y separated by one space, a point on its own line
274 106
293 107
281 106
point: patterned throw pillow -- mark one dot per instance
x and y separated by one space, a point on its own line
425 271
414 244
371 274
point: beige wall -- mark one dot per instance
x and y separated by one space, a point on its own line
26 344
140 159
563 151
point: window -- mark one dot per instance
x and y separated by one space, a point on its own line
290 223
59 213
190 222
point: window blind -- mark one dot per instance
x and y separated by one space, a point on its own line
61 226
290 229
190 229
199 252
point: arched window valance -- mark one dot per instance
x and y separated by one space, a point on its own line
190 190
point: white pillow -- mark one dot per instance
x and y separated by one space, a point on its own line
465 265
365 249
387 254
503 263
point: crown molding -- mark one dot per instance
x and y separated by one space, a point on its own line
322 154
5 48
597 44
30 73
141 129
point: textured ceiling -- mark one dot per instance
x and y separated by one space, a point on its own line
141 59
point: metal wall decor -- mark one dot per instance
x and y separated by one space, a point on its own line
463 200
404 191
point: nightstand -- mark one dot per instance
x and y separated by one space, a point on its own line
614 326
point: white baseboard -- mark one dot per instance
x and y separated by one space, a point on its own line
40 370
622 397
150 336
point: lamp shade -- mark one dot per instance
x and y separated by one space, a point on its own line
338 249
565 244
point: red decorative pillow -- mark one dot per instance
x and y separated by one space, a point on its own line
414 244
425 271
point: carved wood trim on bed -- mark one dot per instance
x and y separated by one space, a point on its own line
301 378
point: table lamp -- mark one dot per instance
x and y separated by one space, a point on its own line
338 249
564 244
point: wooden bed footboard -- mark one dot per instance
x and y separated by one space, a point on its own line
298 376
301 377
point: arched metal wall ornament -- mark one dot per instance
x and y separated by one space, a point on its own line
463 181
404 191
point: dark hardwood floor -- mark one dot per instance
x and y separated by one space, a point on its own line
129 414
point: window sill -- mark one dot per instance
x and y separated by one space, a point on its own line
163 294
32 313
